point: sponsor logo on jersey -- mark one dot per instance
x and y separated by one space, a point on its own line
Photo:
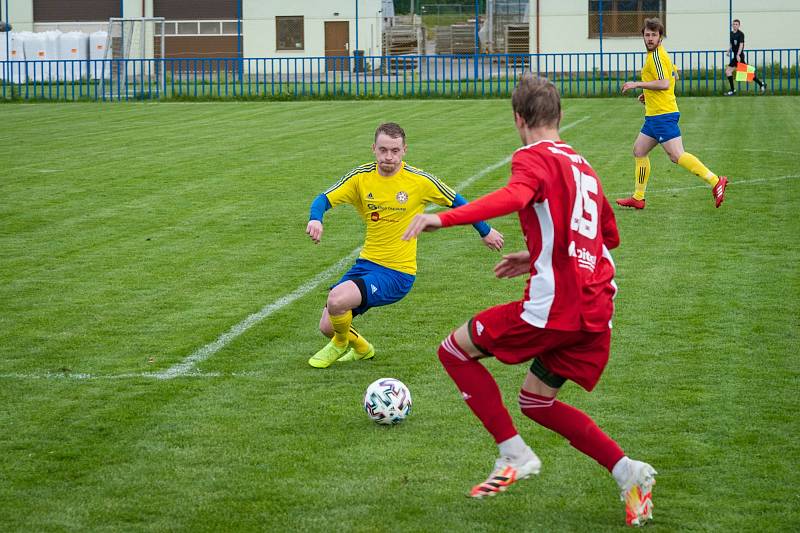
401 197
585 258
370 197
376 207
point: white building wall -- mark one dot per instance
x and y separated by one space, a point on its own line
691 25
20 14
258 26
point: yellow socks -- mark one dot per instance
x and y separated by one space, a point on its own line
358 342
693 165
642 173
341 327
344 333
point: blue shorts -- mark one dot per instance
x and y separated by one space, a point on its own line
378 285
662 127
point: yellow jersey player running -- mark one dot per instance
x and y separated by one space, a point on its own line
387 194
661 120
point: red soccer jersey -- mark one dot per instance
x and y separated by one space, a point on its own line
569 228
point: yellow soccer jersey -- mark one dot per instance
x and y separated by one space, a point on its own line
387 206
658 66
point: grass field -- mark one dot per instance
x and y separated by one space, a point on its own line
160 300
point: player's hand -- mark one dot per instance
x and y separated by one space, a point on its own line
641 98
629 85
314 230
422 223
493 240
513 265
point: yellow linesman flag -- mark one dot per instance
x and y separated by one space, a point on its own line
745 72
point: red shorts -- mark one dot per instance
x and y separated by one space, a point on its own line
579 356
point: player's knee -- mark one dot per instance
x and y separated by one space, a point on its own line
534 406
337 303
674 158
450 353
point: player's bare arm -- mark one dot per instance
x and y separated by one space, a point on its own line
493 240
655 85
422 223
514 264
314 230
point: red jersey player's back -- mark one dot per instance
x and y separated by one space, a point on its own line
569 228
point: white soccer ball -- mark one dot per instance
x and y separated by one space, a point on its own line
387 401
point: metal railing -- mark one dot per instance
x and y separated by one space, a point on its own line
474 75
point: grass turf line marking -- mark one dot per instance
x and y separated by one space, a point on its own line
187 366
734 183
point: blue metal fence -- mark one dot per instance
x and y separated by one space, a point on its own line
475 75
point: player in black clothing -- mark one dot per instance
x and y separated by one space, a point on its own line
737 56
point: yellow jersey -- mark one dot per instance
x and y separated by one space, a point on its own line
658 66
387 205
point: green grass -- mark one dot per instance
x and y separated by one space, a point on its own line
133 235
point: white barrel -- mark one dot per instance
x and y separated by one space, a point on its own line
16 52
97 51
73 47
4 38
34 45
53 53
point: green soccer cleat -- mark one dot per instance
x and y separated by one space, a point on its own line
328 355
353 355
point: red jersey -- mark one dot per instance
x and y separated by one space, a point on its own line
569 228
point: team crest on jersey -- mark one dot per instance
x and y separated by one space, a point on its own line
375 216
401 197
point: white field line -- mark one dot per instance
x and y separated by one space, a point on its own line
186 368
734 183
189 363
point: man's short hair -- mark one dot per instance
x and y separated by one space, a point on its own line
536 100
736 20
391 129
653 24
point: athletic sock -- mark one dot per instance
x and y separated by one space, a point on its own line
574 425
514 447
730 81
621 471
357 341
341 327
478 388
642 174
696 167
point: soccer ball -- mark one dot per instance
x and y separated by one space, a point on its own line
387 401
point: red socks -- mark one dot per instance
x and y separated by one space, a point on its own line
480 391
478 388
572 424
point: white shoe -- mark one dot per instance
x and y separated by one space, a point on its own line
637 493
507 471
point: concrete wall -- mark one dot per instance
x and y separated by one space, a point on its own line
258 25
691 25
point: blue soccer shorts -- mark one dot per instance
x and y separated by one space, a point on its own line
662 128
378 285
